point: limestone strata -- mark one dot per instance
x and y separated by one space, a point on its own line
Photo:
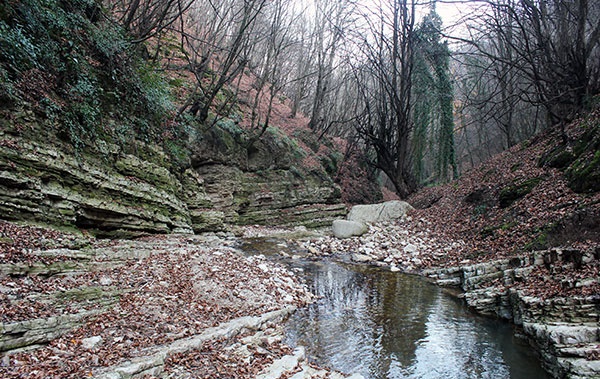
45 184
565 330
38 331
275 197
122 194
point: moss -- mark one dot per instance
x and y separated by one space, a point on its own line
584 174
514 192
560 157
539 243
79 294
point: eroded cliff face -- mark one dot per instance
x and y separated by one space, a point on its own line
113 193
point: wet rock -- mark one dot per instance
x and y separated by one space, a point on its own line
346 229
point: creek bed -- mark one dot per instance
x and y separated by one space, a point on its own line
389 325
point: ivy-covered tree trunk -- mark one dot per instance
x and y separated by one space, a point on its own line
446 160
433 135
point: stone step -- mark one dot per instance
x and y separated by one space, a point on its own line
563 334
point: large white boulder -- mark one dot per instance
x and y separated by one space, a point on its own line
371 213
346 229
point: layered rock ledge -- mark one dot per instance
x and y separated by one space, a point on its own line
169 306
113 193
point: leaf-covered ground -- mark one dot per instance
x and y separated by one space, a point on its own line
512 204
145 293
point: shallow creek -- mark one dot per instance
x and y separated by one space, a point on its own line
390 325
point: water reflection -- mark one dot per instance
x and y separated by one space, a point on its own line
387 325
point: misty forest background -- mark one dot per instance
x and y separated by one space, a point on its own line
415 102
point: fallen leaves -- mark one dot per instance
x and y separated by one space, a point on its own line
169 287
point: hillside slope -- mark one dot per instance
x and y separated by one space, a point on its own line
535 196
90 138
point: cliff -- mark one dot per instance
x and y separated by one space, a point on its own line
90 138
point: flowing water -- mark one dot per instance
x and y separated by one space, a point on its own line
390 325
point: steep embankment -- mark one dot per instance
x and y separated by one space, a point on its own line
537 195
89 138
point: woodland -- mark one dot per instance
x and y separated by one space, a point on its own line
418 101
142 140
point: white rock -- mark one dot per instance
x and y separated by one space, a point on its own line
263 267
346 229
361 258
390 210
410 248
367 250
91 342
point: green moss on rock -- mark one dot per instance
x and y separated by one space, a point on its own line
514 192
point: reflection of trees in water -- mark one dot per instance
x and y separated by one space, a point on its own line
401 305
457 347
390 326
364 318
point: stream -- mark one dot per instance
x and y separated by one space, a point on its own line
383 324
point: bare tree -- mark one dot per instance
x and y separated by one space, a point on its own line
218 45
385 90
144 19
553 45
275 42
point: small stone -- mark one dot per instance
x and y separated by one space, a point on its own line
410 248
91 342
263 267
361 258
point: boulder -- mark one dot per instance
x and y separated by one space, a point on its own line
388 211
346 229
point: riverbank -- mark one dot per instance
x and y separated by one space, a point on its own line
177 305
163 306
552 295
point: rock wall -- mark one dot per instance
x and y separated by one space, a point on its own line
48 184
112 193
565 330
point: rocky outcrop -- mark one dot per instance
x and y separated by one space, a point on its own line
44 183
275 197
113 193
382 212
565 330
